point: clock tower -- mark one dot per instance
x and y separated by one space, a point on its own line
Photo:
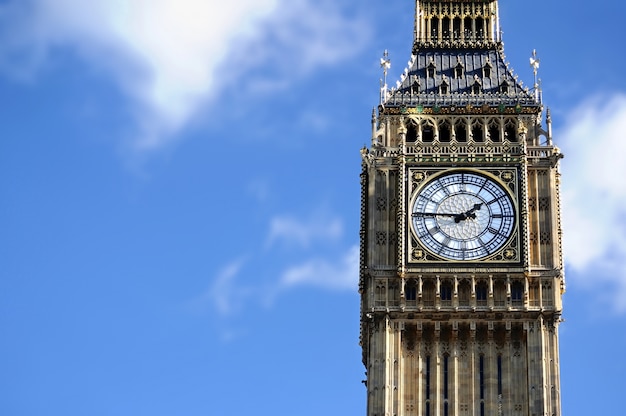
461 272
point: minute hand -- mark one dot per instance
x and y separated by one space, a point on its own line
433 214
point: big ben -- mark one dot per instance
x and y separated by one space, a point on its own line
461 270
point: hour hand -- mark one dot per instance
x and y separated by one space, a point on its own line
470 213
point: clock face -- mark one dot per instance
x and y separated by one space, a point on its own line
463 216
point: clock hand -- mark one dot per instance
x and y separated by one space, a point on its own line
433 214
471 213
468 214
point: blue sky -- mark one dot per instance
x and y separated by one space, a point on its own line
180 199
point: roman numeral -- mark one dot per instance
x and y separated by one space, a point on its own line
495 199
493 231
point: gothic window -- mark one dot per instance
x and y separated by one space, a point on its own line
410 291
480 32
458 70
494 131
546 294
534 295
445 28
456 28
504 87
431 69
487 70
510 132
481 294
434 25
443 87
464 293
444 132
476 87
477 132
499 294
468 29
460 132
415 86
517 292
380 295
394 295
445 294
411 132
428 131
429 294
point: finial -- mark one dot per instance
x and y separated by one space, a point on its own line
534 63
385 64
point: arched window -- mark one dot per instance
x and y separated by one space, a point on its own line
410 290
458 70
428 131
494 131
411 132
380 295
460 131
415 86
533 295
434 29
517 293
546 294
444 132
446 294
464 293
431 69
504 87
476 87
443 87
487 70
481 294
445 28
480 31
499 295
393 295
510 132
477 132
468 29
456 28
428 293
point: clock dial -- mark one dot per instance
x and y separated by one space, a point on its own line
463 216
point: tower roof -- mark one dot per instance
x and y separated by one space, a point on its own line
458 60
459 76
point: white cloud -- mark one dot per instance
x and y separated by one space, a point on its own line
235 287
341 274
172 56
226 294
291 230
594 193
